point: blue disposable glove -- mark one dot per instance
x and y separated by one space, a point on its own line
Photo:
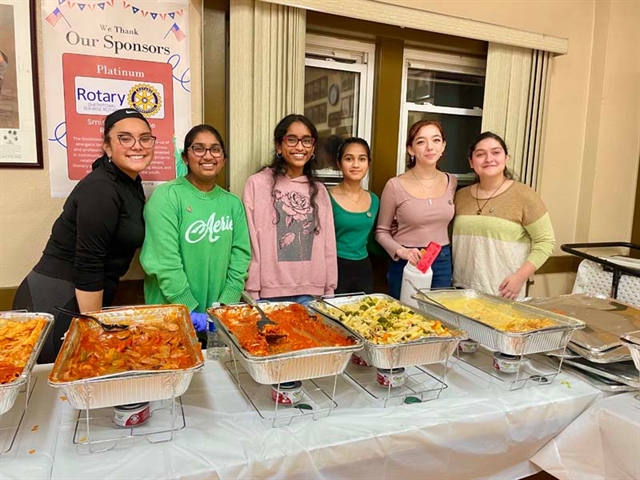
199 321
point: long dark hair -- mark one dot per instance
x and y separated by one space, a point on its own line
278 165
483 136
193 133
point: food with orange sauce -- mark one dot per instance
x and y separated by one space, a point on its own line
302 329
17 340
146 345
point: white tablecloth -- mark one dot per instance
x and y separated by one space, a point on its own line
602 443
475 429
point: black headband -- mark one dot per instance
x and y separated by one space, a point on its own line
121 114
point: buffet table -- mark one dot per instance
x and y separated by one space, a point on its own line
475 429
603 443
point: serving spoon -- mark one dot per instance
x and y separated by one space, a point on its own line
264 320
108 327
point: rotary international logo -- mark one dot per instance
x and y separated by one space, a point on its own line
144 98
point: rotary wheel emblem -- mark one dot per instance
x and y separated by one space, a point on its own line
146 99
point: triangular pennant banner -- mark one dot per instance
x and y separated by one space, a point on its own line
163 15
81 6
60 2
154 15
144 13
135 10
172 15
101 5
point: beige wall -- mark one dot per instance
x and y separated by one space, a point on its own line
592 139
27 210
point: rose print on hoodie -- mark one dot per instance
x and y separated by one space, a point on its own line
295 229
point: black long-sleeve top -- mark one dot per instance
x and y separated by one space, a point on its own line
93 241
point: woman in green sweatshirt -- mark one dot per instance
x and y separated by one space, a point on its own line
196 249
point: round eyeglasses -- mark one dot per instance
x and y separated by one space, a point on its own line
200 151
129 141
292 141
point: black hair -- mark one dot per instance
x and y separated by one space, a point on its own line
278 165
122 114
483 136
331 146
193 133
350 141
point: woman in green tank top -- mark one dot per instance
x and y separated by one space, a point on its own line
354 211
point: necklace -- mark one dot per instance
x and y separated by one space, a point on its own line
358 196
426 188
480 208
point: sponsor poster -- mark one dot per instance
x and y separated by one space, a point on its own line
100 56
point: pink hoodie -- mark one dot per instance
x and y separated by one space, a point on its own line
287 258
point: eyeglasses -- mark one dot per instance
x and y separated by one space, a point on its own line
200 151
129 141
292 141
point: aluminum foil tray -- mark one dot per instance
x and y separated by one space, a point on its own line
623 372
606 320
132 386
601 383
632 342
613 355
288 367
9 391
536 341
424 351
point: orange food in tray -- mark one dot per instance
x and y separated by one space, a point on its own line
153 346
302 330
17 340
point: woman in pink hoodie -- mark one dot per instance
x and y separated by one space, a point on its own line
293 245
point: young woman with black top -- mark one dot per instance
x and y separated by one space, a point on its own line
101 226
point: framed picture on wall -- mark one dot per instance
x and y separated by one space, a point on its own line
347 81
334 119
323 85
346 106
20 130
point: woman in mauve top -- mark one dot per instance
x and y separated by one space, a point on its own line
417 206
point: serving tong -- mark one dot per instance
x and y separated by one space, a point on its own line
264 320
108 327
424 294
318 298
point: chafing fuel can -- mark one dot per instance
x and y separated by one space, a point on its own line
132 414
506 363
356 360
468 346
394 378
288 393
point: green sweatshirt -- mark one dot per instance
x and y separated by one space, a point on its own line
196 249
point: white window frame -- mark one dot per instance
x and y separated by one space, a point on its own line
347 56
421 59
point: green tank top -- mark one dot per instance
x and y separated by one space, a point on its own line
354 230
